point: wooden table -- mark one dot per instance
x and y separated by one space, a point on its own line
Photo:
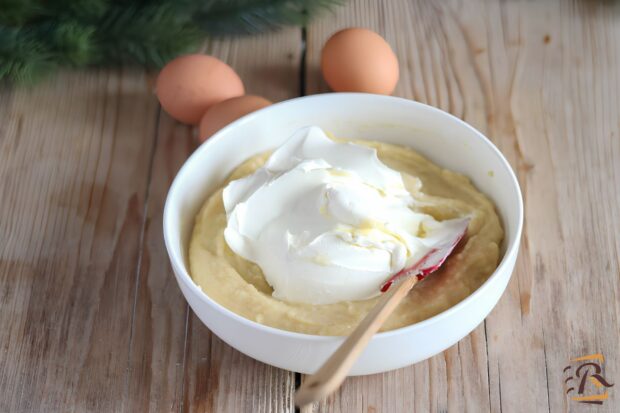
91 318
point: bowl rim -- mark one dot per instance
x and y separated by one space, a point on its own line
182 272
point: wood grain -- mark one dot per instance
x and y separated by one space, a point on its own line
73 177
540 79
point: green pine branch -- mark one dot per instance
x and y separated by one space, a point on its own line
254 16
149 36
38 36
24 58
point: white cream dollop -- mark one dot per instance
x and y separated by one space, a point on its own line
325 221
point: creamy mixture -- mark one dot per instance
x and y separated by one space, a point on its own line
303 239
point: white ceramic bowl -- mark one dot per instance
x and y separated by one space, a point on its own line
440 136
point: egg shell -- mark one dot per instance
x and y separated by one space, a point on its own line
188 85
223 113
359 60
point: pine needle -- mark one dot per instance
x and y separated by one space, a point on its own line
38 36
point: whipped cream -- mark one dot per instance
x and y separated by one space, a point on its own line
326 221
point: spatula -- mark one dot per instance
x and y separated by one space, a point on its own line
333 372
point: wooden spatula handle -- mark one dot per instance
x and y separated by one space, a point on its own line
331 375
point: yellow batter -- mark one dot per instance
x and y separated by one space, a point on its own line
239 285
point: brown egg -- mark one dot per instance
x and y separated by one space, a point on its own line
223 113
188 85
359 60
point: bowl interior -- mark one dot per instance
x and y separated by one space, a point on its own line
441 137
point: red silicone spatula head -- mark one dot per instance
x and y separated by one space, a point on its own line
444 241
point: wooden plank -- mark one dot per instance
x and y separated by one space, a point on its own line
540 79
565 120
268 64
157 348
176 363
73 174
